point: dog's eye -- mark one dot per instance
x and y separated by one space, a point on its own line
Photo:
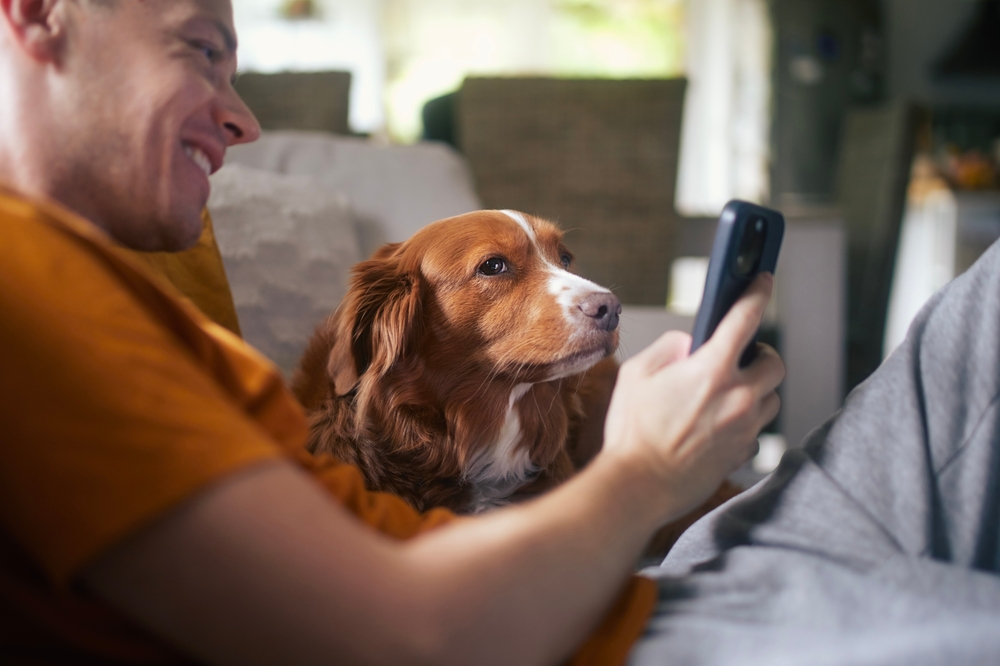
566 260
493 266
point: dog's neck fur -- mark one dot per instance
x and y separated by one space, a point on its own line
444 438
497 470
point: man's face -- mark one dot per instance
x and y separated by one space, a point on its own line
150 110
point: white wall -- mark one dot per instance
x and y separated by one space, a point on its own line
347 36
919 32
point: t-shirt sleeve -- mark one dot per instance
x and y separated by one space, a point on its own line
106 418
386 513
611 643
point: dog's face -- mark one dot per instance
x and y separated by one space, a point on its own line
490 290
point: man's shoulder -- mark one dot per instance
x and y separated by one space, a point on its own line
22 215
50 260
48 229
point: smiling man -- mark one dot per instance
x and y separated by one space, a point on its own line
156 503
129 118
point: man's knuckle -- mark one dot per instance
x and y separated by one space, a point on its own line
744 401
718 375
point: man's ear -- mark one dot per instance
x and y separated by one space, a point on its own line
39 26
377 323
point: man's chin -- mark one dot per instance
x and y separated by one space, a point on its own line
175 234
193 228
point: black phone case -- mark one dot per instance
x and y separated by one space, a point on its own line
723 287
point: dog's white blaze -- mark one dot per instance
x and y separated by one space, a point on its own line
497 470
569 289
565 286
528 229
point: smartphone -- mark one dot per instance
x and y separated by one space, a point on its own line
747 242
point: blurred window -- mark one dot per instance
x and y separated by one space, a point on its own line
433 44
403 53
725 147
336 34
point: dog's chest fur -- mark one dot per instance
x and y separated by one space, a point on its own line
410 450
497 470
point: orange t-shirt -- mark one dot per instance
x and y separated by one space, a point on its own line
117 402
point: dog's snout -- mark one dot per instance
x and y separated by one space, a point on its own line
604 309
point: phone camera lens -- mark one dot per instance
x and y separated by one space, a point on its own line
751 248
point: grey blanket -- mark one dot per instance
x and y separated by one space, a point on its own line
879 541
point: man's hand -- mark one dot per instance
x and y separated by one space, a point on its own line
688 421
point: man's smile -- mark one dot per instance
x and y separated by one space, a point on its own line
200 158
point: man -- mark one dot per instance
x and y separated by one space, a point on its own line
154 498
155 504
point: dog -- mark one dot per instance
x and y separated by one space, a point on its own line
455 371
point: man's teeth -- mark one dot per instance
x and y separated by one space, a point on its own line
200 158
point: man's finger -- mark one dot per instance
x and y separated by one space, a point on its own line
766 372
769 408
669 348
738 327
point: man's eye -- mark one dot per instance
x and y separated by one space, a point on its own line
493 266
210 52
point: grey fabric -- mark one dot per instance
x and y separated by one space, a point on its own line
879 541
288 244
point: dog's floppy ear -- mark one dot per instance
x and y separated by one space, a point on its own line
377 322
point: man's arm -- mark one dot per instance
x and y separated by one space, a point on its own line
266 568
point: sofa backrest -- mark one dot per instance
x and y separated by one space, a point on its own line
315 101
599 157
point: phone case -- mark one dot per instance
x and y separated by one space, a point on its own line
723 286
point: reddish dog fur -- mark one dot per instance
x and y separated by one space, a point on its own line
451 374
451 387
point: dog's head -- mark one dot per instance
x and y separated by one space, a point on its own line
488 293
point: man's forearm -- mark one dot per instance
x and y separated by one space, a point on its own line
526 584
267 569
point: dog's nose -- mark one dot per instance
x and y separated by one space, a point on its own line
604 309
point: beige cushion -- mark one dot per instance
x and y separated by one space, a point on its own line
288 243
393 190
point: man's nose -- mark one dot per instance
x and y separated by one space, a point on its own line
604 309
236 118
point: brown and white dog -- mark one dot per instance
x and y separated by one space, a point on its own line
451 372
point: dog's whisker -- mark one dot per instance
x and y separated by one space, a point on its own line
552 403
623 352
412 431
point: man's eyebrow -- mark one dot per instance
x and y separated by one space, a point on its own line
227 35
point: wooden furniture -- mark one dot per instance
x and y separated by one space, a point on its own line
599 157
874 171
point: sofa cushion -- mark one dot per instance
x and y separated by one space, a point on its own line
288 243
394 190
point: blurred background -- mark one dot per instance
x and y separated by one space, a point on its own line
872 124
